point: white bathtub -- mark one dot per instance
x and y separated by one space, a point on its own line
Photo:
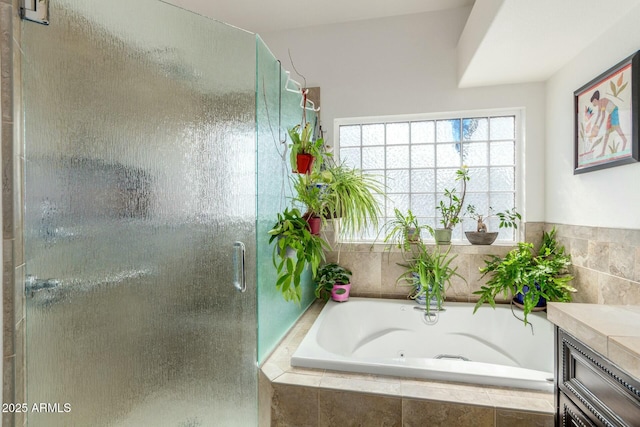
390 337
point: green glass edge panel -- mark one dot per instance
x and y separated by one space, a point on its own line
275 315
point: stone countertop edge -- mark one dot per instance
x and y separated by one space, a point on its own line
611 330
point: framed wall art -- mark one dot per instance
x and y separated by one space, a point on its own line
606 118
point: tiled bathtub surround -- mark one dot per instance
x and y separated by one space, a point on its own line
307 397
606 265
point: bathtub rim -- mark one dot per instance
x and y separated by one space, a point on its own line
439 370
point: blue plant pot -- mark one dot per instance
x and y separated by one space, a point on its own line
519 298
421 297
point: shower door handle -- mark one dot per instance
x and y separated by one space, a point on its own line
239 272
32 284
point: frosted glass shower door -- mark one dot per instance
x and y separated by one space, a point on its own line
139 178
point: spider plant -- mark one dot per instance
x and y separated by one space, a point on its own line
430 273
403 230
352 196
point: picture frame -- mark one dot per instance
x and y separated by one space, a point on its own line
606 116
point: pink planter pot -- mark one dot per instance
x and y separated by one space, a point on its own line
340 292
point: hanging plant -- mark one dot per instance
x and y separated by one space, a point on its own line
304 151
295 248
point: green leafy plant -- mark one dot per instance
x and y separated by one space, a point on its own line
311 192
403 230
352 196
451 207
295 248
302 143
521 271
508 218
329 275
433 271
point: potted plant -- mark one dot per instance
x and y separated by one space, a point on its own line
352 196
304 151
295 248
430 274
508 219
403 230
333 280
528 279
451 207
311 194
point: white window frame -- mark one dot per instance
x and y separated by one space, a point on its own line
518 113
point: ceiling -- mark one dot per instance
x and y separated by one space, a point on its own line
528 41
263 16
504 41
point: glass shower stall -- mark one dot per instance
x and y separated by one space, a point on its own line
154 164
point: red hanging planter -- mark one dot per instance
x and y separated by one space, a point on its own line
315 224
304 162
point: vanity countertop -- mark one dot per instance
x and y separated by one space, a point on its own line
611 330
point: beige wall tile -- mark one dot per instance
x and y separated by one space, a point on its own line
574 231
460 287
7 181
523 419
293 406
598 255
420 413
614 290
579 251
594 251
8 308
382 386
532 402
366 278
586 283
618 235
345 409
533 232
390 272
7 388
446 392
265 395
621 260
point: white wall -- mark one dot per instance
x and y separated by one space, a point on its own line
603 198
406 65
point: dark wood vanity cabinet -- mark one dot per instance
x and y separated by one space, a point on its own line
592 391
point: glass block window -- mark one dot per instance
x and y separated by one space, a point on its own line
417 160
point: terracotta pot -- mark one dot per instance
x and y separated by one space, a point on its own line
340 292
304 162
315 224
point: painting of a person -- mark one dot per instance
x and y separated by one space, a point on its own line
606 108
